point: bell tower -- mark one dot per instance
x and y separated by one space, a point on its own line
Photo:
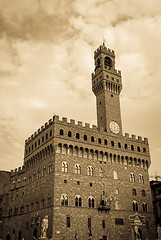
107 85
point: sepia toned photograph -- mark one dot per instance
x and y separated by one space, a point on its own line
80 120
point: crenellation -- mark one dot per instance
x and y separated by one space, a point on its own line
139 138
87 125
72 121
64 119
127 135
133 136
94 127
79 123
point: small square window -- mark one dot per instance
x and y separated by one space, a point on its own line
65 181
78 182
90 184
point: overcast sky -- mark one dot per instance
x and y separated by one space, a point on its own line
46 61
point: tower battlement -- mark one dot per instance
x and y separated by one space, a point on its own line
82 126
104 49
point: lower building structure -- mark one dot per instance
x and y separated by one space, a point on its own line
82 182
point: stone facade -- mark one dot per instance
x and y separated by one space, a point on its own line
91 182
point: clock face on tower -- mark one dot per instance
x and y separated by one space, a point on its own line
114 127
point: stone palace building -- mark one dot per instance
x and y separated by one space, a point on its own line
82 182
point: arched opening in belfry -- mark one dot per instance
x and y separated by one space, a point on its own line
108 62
8 237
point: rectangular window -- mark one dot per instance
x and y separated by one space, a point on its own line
68 222
50 133
89 222
103 223
78 182
119 221
65 181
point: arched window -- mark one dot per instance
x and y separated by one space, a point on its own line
119 145
85 137
138 148
91 202
64 200
69 134
135 206
77 135
143 193
78 201
112 143
105 141
144 207
90 171
61 132
144 149
126 146
99 140
100 172
132 147
98 62
92 139
77 168
108 62
141 178
115 175
64 167
134 192
132 177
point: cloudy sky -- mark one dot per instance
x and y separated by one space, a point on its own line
46 61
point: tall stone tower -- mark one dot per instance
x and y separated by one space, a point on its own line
107 85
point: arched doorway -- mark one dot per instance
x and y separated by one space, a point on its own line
8 237
35 233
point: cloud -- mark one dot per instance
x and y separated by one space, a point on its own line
47 58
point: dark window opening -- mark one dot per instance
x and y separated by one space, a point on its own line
119 145
99 140
85 137
134 192
132 147
68 222
108 62
143 193
105 141
144 149
103 223
43 139
50 133
61 132
89 222
69 134
138 148
92 139
46 136
112 143
77 135
126 146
